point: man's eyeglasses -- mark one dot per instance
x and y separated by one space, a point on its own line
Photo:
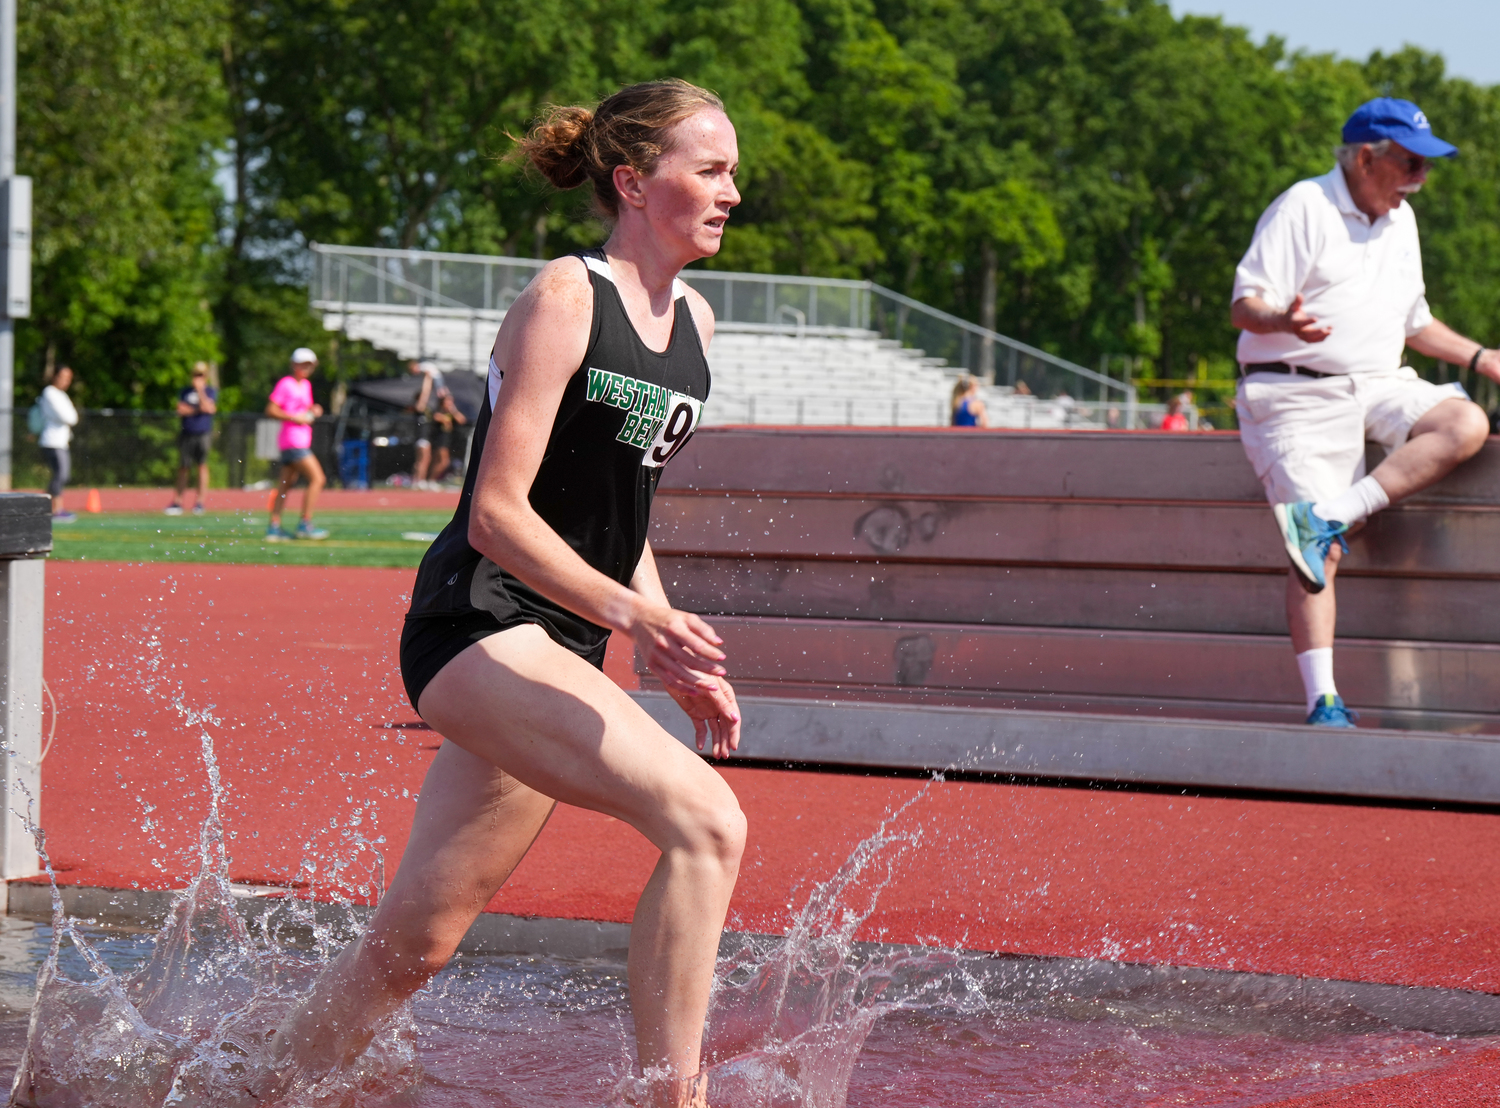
1414 163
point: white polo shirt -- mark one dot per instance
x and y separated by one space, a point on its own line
1363 279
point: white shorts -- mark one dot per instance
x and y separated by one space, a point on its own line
1305 436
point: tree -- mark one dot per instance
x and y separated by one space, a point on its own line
119 115
1082 174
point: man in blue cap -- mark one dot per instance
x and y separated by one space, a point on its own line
1327 298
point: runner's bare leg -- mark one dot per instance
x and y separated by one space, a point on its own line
310 468
285 482
562 729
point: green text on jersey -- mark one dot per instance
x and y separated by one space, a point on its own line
658 420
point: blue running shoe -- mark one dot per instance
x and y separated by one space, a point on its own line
1308 538
306 530
274 533
1329 711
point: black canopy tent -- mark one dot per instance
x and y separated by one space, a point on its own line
378 423
400 393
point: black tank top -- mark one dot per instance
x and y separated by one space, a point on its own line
622 417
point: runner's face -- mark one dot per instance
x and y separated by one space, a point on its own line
689 193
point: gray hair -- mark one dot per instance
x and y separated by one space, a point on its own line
1349 151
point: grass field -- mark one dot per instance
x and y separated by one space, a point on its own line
355 538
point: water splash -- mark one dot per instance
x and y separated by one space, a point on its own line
190 1026
789 1016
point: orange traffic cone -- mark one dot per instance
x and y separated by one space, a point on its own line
93 504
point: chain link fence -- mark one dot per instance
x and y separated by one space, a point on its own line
113 447
109 447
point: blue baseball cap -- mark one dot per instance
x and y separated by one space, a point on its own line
1400 121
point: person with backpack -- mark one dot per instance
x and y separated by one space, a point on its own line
55 417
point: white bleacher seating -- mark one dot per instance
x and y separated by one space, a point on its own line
816 378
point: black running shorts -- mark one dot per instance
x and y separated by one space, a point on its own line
430 642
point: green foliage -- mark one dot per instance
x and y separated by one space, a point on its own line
1086 173
119 111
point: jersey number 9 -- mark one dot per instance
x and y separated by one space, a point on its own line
675 431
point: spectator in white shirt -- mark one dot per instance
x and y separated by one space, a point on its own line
59 417
1327 298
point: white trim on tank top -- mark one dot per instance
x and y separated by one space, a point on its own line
494 377
601 267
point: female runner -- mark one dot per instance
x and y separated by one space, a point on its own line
597 378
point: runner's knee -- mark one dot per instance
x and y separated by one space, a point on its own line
716 827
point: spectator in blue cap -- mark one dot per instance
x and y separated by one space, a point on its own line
1327 299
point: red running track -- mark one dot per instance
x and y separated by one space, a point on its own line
297 668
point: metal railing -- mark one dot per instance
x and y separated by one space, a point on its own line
780 409
429 283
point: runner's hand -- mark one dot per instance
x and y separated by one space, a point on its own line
679 648
1304 326
715 715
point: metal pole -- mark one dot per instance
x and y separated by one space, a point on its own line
7 171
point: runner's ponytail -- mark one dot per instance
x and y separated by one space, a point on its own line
556 146
571 145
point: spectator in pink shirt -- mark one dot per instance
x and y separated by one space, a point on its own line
292 403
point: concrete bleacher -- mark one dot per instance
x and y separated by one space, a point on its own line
834 377
456 340
852 378
857 379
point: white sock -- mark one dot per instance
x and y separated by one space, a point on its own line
1363 499
1317 674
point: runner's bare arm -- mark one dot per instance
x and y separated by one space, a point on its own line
276 411
540 346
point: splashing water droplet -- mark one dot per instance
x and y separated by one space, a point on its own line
191 1025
